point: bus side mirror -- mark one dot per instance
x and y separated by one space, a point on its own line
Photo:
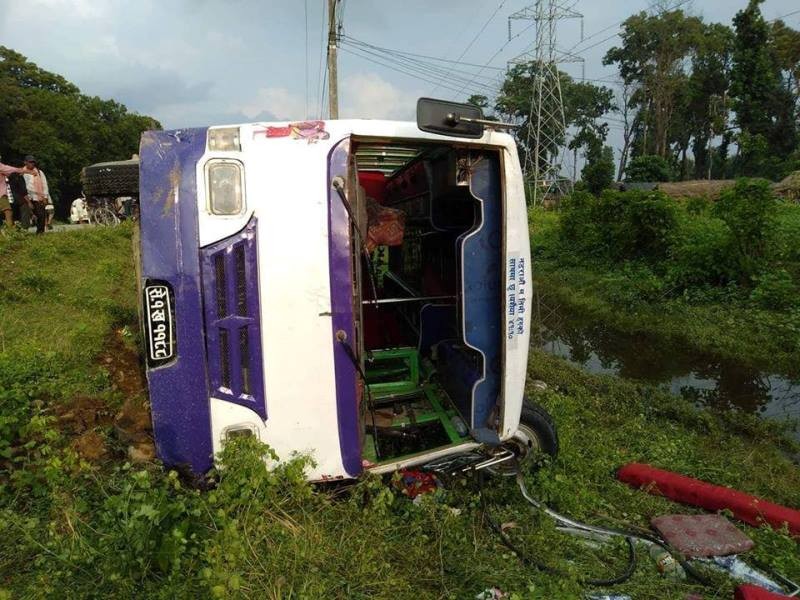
449 118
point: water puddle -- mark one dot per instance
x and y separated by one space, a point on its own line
702 378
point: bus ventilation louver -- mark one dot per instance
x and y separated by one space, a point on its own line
233 332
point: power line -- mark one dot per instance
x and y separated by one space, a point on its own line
320 85
474 39
595 34
412 54
794 12
324 93
618 23
603 41
404 58
305 12
397 67
496 54
456 76
427 69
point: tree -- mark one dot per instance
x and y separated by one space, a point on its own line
786 44
478 100
515 102
651 58
765 109
708 89
649 168
598 172
42 113
630 115
584 104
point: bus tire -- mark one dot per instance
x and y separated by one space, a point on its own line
111 179
535 435
540 427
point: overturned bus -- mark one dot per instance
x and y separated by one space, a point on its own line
353 290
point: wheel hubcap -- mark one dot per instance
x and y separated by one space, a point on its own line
524 445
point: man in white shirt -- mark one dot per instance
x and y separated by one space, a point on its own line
38 194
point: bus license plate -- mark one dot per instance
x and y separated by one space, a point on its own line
159 317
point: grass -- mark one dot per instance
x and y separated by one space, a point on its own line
629 297
74 528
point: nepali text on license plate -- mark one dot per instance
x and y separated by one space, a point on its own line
160 330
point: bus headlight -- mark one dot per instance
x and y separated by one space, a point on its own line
225 186
224 139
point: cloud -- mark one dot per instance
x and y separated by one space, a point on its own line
208 114
53 11
369 96
101 47
276 101
144 88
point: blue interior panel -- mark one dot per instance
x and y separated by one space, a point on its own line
481 271
436 323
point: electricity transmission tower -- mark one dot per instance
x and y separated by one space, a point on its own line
545 138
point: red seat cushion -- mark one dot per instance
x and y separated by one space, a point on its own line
753 592
702 535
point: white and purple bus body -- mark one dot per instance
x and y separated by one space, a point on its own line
271 285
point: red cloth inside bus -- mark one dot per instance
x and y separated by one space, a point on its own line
385 226
374 184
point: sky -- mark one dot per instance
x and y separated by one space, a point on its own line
204 62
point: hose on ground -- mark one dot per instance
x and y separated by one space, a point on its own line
539 565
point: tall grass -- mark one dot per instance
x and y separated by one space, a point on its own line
71 528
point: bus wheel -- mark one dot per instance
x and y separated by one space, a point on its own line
536 434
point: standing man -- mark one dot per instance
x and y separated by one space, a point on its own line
5 204
38 196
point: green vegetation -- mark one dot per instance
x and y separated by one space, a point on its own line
720 278
74 526
649 167
690 92
44 114
60 297
598 172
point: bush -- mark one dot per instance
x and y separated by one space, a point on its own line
649 168
775 290
698 205
577 226
748 210
620 225
653 223
598 172
702 255
633 284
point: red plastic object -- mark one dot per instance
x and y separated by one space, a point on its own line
753 592
687 490
413 483
702 535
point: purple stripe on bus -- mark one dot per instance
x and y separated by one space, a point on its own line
170 252
233 321
341 274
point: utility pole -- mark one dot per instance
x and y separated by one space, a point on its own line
545 150
333 84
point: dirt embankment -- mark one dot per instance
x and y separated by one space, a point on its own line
788 188
697 188
87 417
